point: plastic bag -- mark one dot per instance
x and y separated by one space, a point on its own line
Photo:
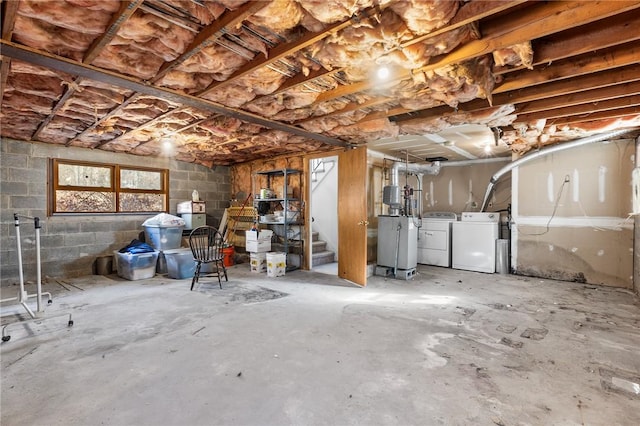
137 246
164 220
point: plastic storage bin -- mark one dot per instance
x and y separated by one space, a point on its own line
137 266
180 263
276 264
163 237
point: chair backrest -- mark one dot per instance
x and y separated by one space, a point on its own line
206 244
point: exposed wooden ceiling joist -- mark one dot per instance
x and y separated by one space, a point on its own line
582 109
75 68
543 19
614 57
127 8
9 11
468 13
603 115
595 95
284 50
584 39
208 36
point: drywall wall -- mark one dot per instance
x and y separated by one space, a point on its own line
461 188
70 244
570 215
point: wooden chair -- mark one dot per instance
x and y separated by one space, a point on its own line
206 245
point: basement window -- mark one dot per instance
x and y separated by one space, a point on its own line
82 187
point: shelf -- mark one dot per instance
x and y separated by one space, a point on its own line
257 200
285 178
279 172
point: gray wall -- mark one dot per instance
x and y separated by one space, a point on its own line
70 244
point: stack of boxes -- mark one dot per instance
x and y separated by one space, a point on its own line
193 213
258 243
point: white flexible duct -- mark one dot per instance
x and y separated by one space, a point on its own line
547 151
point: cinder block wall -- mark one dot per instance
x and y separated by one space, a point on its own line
70 244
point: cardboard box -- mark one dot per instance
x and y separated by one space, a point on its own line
258 262
258 246
263 235
276 264
191 207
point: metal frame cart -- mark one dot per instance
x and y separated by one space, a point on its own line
23 296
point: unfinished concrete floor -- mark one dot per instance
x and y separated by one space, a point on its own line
449 347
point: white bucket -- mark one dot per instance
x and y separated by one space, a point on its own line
276 264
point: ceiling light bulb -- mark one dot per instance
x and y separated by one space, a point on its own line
487 149
383 73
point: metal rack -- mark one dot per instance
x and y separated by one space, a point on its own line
292 206
23 296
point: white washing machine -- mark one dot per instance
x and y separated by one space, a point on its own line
474 241
434 238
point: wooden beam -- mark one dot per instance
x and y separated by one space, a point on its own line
536 21
592 81
551 90
615 57
353 106
603 115
9 11
104 118
588 38
582 109
109 77
588 96
71 89
471 12
143 126
284 50
208 36
127 8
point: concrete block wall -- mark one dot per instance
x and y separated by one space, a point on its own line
70 244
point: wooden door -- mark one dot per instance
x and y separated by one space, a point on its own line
352 215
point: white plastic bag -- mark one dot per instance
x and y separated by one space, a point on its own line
164 220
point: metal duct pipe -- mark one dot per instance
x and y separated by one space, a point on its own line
391 193
544 152
431 169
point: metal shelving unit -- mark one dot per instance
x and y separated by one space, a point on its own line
292 206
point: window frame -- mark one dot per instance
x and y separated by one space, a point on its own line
114 188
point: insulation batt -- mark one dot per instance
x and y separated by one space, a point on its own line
233 95
204 12
279 15
367 130
516 55
85 17
424 16
438 123
330 11
48 37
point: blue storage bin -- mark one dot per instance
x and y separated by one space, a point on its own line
180 263
138 266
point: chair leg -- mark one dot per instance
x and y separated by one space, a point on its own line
218 263
196 275
224 268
